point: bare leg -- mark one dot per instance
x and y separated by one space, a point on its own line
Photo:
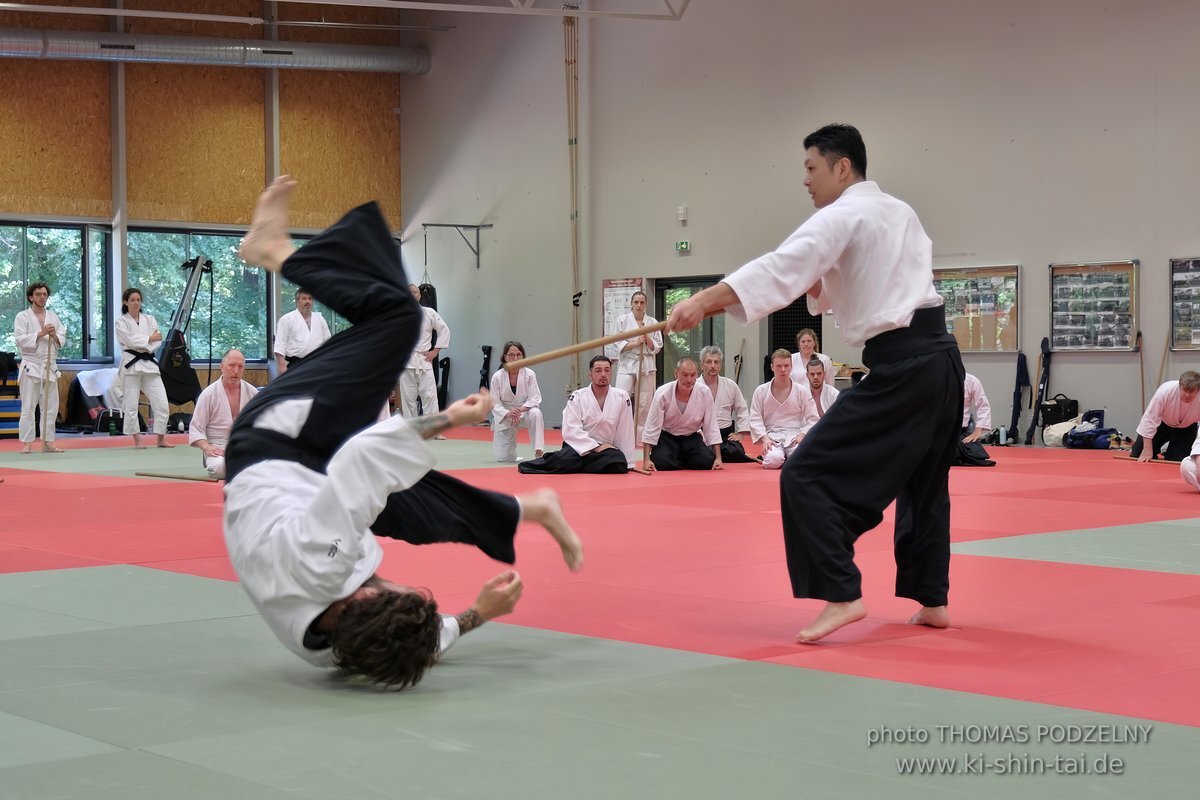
162 441
832 617
933 616
27 448
137 442
268 244
544 508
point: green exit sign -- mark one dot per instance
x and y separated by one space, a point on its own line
683 247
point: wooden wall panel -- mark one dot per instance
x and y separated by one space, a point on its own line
68 22
183 27
55 149
340 137
195 142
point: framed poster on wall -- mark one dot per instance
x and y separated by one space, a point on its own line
1093 306
981 306
1185 303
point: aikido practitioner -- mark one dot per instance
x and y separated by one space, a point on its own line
807 345
298 333
975 405
416 382
636 369
681 428
216 409
865 256
308 480
597 429
39 336
138 337
516 403
733 416
1187 466
1170 420
781 412
820 389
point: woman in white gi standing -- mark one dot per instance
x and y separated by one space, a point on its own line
138 336
637 355
807 345
516 403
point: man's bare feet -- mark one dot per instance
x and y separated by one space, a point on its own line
268 243
832 617
26 449
544 508
933 616
49 448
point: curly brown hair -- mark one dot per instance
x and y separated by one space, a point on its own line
389 638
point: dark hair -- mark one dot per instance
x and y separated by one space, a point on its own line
815 362
389 638
595 359
508 344
635 294
301 291
840 141
33 287
125 295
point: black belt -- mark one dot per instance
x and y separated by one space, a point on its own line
139 356
926 334
293 360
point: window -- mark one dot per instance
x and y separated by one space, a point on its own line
78 280
238 292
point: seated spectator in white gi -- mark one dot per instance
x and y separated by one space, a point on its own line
416 381
975 404
597 429
1187 467
298 333
681 428
781 412
820 390
733 415
807 345
516 403
36 329
216 409
1170 420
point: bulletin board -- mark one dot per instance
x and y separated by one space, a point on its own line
1185 303
1093 306
981 306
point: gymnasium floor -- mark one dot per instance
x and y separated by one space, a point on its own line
131 666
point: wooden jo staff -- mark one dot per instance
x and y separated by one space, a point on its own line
572 349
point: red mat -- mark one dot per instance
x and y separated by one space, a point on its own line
695 561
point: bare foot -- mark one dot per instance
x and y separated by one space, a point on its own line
26 449
137 442
832 617
933 616
544 508
268 244
49 448
162 441
538 453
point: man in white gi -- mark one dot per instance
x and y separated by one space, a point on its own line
807 345
975 403
733 417
597 429
681 428
781 412
310 479
864 256
821 391
516 403
636 370
1187 467
216 409
416 382
1170 420
40 335
298 333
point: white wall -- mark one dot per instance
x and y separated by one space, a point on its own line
1021 132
